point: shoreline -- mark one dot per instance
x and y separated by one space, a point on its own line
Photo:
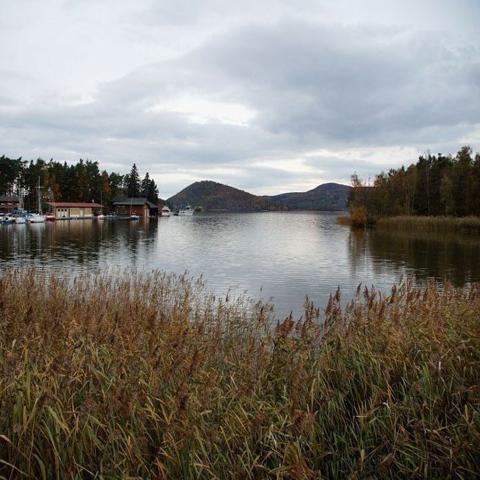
417 222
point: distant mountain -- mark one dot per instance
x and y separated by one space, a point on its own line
328 196
213 196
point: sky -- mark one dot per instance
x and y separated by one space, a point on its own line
270 96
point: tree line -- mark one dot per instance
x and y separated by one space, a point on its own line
79 182
435 185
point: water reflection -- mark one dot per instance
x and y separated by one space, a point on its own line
422 254
283 256
77 243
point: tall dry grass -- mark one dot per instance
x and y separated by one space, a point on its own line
422 223
149 376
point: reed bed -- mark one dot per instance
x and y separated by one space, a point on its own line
150 376
422 223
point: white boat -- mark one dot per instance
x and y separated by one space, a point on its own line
35 218
7 220
165 212
20 220
187 211
100 216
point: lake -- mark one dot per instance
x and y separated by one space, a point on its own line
282 256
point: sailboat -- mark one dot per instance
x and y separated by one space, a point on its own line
37 217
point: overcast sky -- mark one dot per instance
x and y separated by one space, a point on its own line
263 95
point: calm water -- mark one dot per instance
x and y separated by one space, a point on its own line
283 256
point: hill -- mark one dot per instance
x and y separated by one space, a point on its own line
213 196
328 196
216 196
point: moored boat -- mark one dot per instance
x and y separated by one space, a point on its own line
187 211
165 211
20 220
8 219
35 218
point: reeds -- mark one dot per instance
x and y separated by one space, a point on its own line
422 223
150 376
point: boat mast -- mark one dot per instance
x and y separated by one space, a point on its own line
39 197
50 199
20 198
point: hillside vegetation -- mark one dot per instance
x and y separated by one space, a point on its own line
150 376
216 196
328 196
213 196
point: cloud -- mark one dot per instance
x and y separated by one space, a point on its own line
250 101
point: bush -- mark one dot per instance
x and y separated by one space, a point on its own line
359 217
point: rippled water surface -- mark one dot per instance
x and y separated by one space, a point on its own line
283 256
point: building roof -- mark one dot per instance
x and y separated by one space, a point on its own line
9 198
134 201
74 205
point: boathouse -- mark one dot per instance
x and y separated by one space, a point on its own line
8 203
75 210
135 206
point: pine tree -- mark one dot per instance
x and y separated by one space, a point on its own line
152 192
133 186
149 189
145 185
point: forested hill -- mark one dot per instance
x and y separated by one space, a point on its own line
215 196
328 196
